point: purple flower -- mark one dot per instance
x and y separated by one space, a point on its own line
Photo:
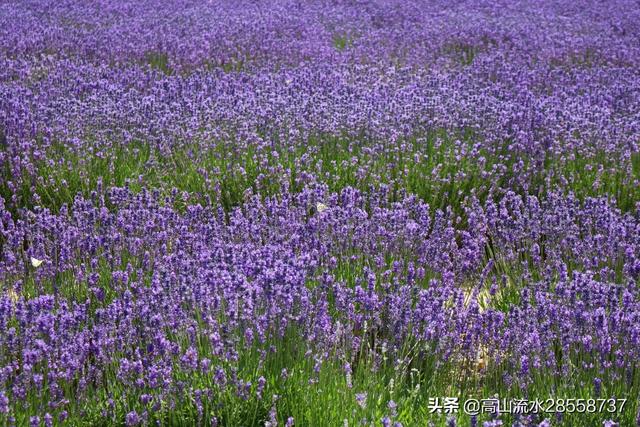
260 386
392 407
132 419
361 399
597 387
4 403
190 359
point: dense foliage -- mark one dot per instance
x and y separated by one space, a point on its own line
317 212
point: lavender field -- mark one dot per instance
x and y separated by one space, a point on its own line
319 212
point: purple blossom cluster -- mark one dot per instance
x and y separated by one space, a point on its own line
536 83
183 281
188 186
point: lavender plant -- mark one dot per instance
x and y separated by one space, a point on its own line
317 213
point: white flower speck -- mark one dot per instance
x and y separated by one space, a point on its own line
36 262
321 207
